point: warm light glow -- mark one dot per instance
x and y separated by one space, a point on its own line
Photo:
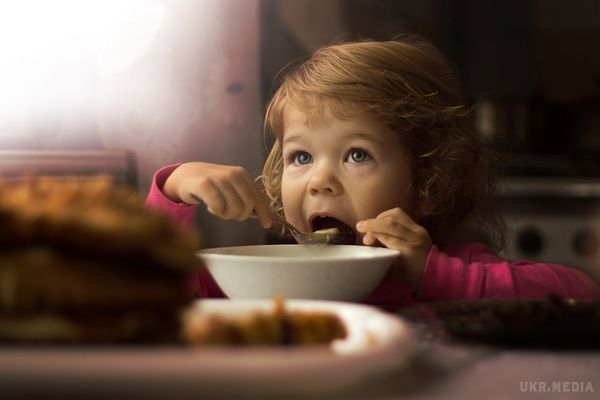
52 51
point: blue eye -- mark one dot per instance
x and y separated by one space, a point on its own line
302 157
358 156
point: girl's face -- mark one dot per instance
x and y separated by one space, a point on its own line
346 169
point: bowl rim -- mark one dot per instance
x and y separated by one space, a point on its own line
216 253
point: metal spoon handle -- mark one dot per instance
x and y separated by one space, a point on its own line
289 226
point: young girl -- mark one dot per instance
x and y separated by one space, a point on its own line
375 138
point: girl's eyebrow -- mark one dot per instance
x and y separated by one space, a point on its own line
297 138
294 138
366 136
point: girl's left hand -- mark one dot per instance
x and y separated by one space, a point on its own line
396 230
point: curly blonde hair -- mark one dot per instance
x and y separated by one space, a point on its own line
408 85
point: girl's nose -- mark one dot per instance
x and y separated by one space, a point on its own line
324 181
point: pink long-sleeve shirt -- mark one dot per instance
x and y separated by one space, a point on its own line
460 271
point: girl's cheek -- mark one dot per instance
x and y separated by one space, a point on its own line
294 174
290 190
361 170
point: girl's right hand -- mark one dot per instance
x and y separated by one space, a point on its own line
228 191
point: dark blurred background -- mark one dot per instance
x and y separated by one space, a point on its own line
530 68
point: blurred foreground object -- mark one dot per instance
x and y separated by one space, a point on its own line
533 323
267 328
82 261
120 165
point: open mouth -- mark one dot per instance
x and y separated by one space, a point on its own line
347 235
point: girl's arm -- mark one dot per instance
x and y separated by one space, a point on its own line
202 284
473 271
227 191
180 213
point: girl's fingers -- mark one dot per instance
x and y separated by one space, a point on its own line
391 242
247 197
253 201
369 239
229 200
234 203
388 226
227 191
399 215
261 206
263 212
393 211
208 193
220 197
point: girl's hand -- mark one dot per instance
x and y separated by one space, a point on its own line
228 191
396 230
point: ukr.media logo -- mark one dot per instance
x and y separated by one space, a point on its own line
556 387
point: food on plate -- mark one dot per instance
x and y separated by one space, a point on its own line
276 327
82 261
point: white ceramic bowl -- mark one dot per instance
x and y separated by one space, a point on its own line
332 272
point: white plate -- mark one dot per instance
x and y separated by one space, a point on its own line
376 342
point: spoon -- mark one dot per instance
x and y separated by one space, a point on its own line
321 236
318 237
